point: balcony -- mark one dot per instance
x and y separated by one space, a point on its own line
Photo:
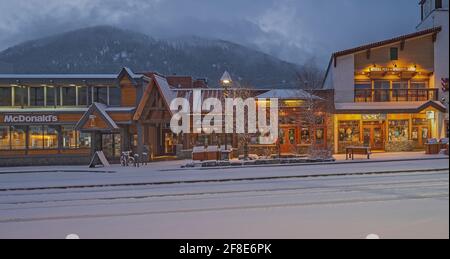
396 95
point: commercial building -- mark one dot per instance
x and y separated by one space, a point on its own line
63 119
388 94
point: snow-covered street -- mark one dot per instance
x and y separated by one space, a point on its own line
408 199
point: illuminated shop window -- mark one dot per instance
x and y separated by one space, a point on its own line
398 130
50 137
85 140
5 96
5 138
320 136
18 137
69 137
349 131
305 135
36 137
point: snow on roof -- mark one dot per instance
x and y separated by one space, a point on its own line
287 94
58 76
165 88
41 110
102 109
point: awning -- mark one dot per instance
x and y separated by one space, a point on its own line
388 107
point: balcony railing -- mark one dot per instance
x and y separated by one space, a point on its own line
396 95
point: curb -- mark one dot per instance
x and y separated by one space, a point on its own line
222 180
303 164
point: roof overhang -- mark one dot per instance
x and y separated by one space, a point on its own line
393 108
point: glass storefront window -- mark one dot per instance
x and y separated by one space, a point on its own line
5 96
320 136
4 138
69 137
398 130
349 131
50 137
85 140
37 96
36 137
18 137
305 136
69 96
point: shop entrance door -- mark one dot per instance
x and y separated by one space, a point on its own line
288 140
169 143
420 135
373 135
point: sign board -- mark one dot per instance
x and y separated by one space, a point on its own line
374 117
393 69
99 158
29 118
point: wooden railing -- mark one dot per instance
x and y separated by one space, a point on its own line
396 95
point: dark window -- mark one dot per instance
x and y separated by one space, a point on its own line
5 96
52 96
114 96
382 91
394 53
82 96
20 96
69 96
400 91
438 4
363 92
101 95
37 96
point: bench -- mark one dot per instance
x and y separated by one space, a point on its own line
351 151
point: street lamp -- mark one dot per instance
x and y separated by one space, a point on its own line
226 81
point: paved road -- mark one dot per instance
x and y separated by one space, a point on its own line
339 202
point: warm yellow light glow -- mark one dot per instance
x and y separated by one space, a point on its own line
226 82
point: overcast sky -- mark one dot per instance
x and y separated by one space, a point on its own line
294 30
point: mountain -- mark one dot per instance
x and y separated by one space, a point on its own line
106 49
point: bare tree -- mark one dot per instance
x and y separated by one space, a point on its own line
310 75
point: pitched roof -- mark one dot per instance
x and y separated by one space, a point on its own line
297 94
387 42
101 110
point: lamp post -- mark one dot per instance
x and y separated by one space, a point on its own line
226 82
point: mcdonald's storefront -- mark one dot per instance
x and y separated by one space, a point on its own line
64 119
